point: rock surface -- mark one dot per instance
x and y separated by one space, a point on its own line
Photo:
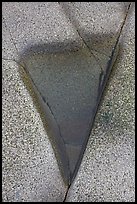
30 170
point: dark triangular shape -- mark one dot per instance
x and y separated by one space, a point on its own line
69 85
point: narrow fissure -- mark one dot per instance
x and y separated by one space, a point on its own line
66 193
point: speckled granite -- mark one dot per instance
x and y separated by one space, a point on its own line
107 173
30 171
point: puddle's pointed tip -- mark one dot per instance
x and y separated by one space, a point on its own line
75 154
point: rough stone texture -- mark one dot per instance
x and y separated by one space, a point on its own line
29 165
30 171
97 22
107 172
8 48
38 23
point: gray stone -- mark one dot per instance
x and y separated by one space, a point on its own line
30 170
70 85
8 48
98 23
107 173
38 23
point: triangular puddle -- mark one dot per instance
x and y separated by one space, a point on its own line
69 85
